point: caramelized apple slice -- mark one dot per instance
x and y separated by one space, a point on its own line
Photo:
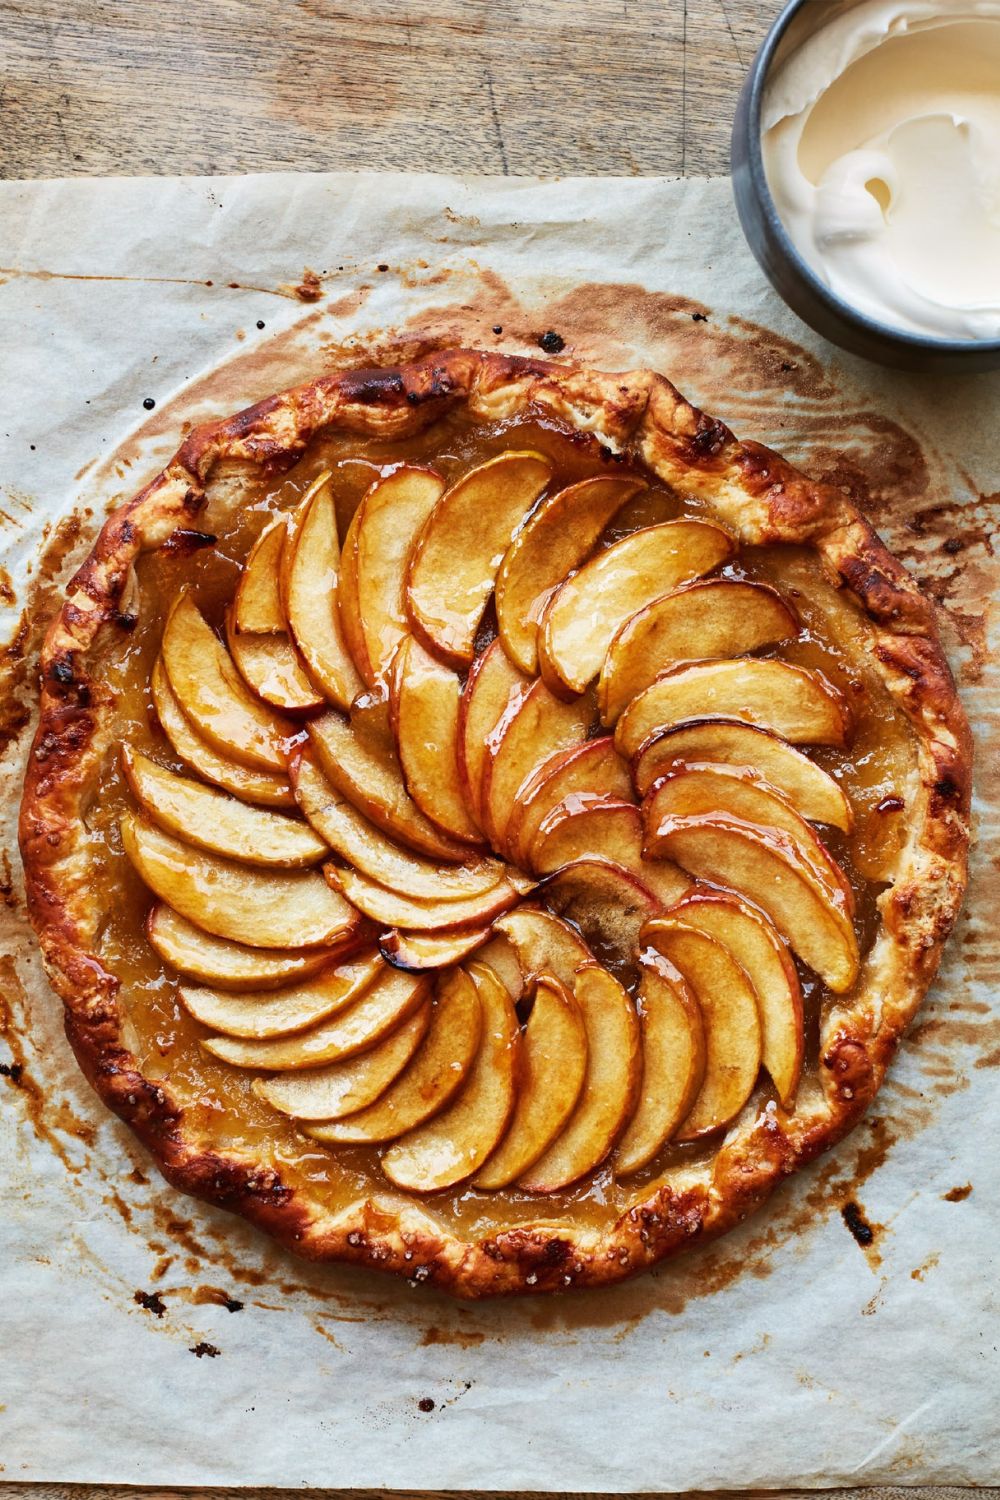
610 1085
584 826
262 908
417 951
257 602
455 560
231 966
754 942
362 845
500 955
767 868
213 821
732 1023
276 1014
455 1143
594 768
810 790
309 571
714 617
432 1079
211 693
558 535
343 1088
375 787
272 668
493 690
425 699
554 1049
673 1061
372 589
543 944
379 1009
585 613
793 702
608 903
396 910
250 785
539 727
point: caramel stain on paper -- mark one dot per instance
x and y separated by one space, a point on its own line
957 1194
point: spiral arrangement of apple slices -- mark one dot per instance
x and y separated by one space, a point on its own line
390 846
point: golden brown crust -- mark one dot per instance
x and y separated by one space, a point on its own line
762 499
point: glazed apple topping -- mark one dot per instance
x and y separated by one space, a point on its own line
507 904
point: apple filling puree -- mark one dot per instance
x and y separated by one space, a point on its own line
485 823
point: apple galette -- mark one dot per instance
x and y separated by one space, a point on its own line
489 823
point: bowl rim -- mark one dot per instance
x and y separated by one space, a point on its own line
757 78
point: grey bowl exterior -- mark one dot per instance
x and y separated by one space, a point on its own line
789 274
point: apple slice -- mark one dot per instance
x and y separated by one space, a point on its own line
231 966
375 787
343 1088
211 820
754 942
594 767
734 793
425 700
264 1016
272 668
262 908
560 532
432 1079
608 903
610 1084
378 1010
309 571
493 690
539 727
586 826
212 695
453 1145
362 845
794 702
396 910
584 614
554 1049
257 606
673 1061
455 560
543 944
713 617
807 786
732 1023
768 869
500 955
372 590
249 785
417 951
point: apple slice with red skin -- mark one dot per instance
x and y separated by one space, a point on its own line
728 1005
811 790
371 594
610 1085
554 1054
714 617
310 568
586 826
594 767
278 1013
257 608
455 559
539 727
493 690
556 538
543 944
766 868
417 951
431 1080
607 902
794 702
345 1087
452 1146
425 700
585 613
395 910
673 1061
758 948
233 966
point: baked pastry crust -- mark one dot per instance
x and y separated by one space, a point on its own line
761 499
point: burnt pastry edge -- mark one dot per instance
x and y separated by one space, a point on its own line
761 498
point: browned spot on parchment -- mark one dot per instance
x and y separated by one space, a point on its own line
957 1194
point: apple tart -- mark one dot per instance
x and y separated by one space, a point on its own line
489 823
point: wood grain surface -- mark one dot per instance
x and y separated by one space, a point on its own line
140 87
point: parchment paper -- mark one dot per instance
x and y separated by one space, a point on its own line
788 1355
